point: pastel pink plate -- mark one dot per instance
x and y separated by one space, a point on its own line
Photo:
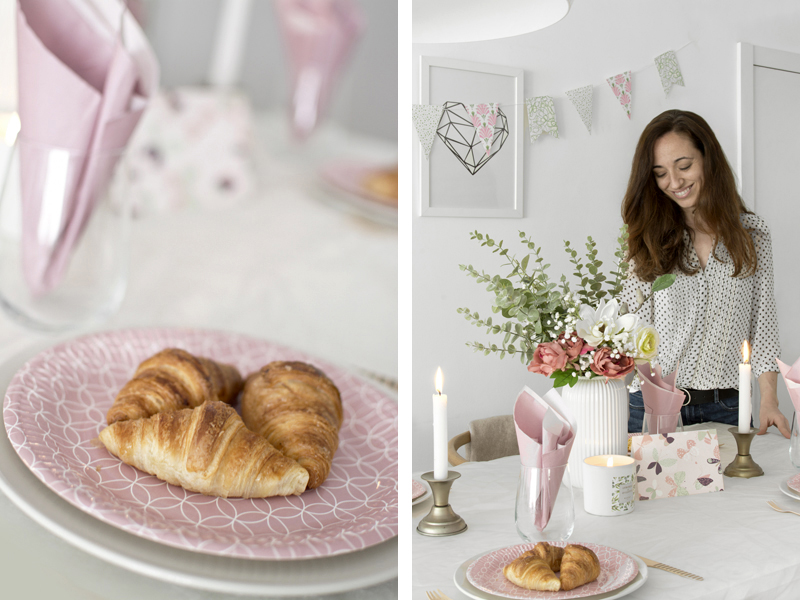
417 489
794 483
486 573
56 405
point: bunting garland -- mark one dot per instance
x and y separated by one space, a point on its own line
484 117
621 86
669 71
426 119
581 99
541 117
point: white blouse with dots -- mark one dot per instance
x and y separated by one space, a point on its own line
704 318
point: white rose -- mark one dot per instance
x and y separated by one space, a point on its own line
647 341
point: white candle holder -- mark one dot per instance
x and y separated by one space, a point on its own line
609 491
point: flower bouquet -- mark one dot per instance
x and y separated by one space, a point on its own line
565 334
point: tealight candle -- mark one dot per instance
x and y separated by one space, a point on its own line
440 466
609 483
745 375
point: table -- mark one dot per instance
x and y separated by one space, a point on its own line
741 547
285 266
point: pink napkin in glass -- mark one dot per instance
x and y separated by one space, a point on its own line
791 377
545 433
86 72
319 35
661 397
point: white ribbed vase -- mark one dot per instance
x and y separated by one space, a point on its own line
600 408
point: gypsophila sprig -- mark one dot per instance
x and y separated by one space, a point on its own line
563 334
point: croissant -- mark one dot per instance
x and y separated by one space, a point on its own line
171 380
579 565
299 411
549 554
532 573
206 449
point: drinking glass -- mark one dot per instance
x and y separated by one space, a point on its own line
664 424
64 225
542 491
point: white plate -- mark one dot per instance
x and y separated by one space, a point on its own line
339 573
426 491
460 579
784 487
343 180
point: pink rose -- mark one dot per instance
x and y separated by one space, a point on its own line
620 79
482 109
624 99
613 368
573 349
547 358
617 91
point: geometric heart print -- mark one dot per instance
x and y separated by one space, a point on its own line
581 99
426 118
458 132
621 86
484 116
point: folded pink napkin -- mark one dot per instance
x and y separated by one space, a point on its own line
86 72
319 36
791 377
661 398
545 432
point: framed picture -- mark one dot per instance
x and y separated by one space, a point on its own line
459 178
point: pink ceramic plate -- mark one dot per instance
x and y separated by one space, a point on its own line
417 489
794 483
486 573
56 405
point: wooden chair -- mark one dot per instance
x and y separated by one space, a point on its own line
488 439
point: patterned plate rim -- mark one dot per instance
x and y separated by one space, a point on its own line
794 483
379 525
584 591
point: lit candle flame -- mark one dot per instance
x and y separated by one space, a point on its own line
746 351
12 129
439 381
610 461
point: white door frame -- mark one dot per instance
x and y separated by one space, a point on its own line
749 57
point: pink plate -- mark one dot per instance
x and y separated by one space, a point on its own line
417 489
486 573
56 405
349 176
794 483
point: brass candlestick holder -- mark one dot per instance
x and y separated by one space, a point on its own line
441 520
743 465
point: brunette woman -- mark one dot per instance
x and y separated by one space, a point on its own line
685 216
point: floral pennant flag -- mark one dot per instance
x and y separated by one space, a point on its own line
581 99
426 120
621 86
669 71
483 117
541 116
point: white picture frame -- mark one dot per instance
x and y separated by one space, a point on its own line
448 187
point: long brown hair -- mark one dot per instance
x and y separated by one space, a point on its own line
656 224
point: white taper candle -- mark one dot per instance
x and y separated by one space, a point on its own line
440 466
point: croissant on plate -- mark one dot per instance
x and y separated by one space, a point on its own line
299 411
171 380
579 565
532 573
206 449
550 554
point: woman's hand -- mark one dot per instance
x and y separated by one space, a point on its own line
770 414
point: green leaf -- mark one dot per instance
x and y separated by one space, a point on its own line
668 462
663 282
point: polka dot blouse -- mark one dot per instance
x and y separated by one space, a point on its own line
704 318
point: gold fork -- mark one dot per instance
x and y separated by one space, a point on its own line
657 565
774 506
437 595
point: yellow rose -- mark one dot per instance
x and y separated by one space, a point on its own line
647 341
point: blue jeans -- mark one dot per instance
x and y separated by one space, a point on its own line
720 411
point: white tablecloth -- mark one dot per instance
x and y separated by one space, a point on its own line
285 266
741 547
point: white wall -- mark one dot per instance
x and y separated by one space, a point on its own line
573 186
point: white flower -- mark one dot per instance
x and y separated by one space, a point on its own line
596 326
647 340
